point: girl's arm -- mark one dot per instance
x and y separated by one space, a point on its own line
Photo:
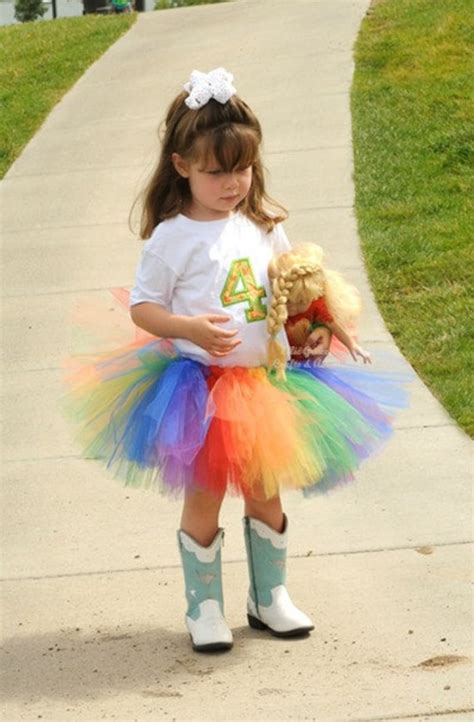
201 330
158 321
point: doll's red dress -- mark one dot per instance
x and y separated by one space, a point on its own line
299 326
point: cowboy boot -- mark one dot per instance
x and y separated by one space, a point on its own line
203 582
269 605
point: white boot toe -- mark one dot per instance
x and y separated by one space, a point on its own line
209 633
282 618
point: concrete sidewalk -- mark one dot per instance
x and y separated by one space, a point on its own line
92 589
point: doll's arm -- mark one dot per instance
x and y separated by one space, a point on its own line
318 342
353 347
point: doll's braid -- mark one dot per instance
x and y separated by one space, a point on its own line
282 285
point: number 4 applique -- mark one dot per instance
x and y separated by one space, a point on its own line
241 272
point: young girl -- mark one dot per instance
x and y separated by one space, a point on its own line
194 408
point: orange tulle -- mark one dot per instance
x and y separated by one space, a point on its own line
253 444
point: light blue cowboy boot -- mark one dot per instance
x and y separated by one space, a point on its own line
203 581
269 605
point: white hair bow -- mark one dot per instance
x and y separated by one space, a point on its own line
202 87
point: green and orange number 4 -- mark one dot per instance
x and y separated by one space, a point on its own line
241 272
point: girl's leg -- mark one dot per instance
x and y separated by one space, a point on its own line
270 512
200 517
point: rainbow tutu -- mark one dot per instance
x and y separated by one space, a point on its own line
159 419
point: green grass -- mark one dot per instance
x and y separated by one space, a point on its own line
39 62
412 114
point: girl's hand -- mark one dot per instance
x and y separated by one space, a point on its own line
357 350
318 343
204 332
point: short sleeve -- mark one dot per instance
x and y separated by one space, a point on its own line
154 281
280 240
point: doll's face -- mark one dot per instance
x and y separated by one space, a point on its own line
299 299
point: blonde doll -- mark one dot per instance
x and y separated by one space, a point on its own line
305 297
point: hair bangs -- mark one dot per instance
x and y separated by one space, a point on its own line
224 137
230 146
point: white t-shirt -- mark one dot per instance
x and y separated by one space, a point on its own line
195 267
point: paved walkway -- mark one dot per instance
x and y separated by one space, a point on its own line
93 627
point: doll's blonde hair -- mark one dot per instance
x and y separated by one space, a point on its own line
298 275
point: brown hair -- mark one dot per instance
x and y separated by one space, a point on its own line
232 134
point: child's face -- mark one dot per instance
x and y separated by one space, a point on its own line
215 193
